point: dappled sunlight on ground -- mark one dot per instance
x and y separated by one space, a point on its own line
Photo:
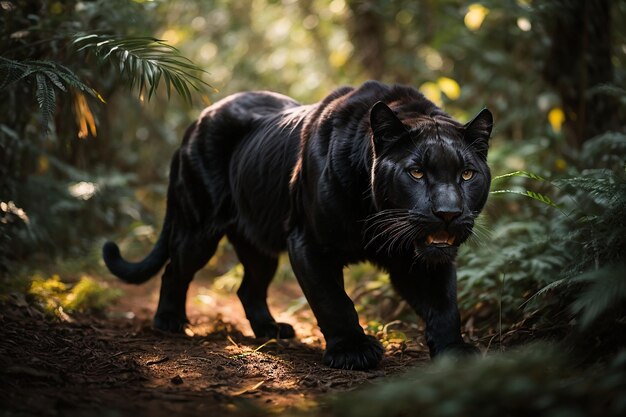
119 362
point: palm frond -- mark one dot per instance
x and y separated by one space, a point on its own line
145 62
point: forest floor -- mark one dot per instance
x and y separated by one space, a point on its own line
116 365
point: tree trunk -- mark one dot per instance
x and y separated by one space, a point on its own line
579 61
368 32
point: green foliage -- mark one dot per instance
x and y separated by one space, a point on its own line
529 193
47 75
43 164
89 295
595 280
526 193
599 231
606 290
524 174
49 291
60 298
229 282
144 61
569 265
538 380
607 150
497 274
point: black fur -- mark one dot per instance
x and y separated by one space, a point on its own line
373 173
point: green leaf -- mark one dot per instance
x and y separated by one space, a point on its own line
46 99
55 80
531 194
520 173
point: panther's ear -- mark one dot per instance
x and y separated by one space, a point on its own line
386 127
478 131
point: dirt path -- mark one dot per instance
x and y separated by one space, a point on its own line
117 365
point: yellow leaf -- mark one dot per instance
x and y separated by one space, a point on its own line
99 97
560 164
56 8
206 100
43 164
556 117
84 117
450 88
475 16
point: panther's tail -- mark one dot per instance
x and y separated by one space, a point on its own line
140 272
137 272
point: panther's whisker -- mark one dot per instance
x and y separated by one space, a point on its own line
381 223
384 234
400 236
386 229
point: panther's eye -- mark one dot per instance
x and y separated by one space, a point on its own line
416 173
467 174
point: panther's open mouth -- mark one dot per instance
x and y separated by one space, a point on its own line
440 239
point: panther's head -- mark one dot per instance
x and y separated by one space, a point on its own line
429 180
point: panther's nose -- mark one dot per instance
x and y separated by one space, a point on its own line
447 201
447 216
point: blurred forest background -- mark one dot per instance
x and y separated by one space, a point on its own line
86 135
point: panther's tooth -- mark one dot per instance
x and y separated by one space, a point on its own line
451 240
429 239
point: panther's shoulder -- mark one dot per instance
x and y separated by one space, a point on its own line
353 103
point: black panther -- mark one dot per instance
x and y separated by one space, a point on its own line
376 173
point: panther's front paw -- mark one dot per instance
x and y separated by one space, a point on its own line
274 330
356 352
170 322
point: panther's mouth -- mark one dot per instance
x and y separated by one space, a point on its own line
441 239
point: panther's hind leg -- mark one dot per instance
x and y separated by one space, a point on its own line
189 255
259 269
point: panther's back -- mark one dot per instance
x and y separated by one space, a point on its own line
260 170
208 147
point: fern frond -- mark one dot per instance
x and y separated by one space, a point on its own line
607 290
603 180
47 76
612 90
45 98
56 80
145 62
608 149
560 284
13 71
